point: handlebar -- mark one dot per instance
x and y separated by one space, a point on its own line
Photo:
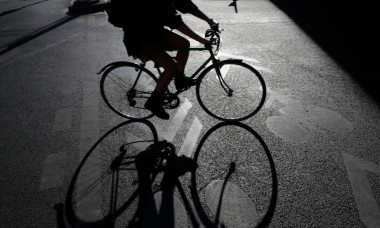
213 33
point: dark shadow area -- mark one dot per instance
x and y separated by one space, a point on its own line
130 179
205 218
59 210
172 167
347 31
131 171
16 43
111 158
15 10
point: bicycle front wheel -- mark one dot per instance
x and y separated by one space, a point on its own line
125 88
235 96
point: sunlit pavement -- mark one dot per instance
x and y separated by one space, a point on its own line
320 127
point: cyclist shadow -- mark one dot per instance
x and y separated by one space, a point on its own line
162 208
141 185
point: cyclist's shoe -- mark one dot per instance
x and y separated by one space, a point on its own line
154 104
183 82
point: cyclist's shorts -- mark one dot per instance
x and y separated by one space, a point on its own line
145 45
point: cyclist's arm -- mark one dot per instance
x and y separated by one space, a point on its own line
187 6
190 33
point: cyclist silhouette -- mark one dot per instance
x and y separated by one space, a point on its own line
148 38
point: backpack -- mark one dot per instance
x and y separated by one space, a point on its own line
122 13
117 11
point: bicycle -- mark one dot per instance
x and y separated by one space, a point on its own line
228 90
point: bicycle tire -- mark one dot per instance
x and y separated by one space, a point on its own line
116 85
249 91
104 189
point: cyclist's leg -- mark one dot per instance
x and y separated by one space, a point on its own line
172 40
150 47
163 59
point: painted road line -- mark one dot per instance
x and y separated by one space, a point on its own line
187 148
225 70
90 206
238 57
164 209
54 170
230 205
259 68
274 96
171 129
62 120
365 201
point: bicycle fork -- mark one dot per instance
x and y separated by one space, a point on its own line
222 82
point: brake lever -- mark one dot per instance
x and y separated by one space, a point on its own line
209 33
215 28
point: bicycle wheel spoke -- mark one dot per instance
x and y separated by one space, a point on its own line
122 82
246 97
219 103
218 90
122 88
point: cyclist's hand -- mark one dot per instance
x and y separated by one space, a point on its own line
213 25
209 44
206 42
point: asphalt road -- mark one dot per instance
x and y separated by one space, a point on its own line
318 125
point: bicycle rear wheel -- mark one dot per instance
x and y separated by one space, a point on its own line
125 88
237 97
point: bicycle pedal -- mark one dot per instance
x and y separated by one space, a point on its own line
132 103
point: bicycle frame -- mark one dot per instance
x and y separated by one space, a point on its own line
222 76
210 59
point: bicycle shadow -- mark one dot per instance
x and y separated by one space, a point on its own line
162 208
140 183
126 181
225 195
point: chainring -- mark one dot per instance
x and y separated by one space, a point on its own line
171 100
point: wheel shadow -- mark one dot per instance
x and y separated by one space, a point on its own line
234 168
98 180
131 179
